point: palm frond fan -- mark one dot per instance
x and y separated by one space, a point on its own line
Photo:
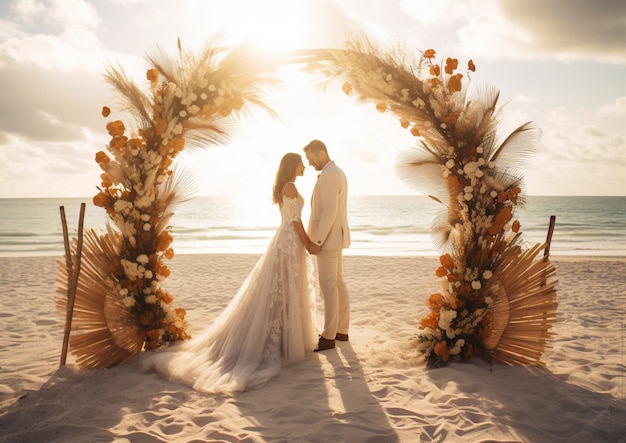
518 322
496 301
120 305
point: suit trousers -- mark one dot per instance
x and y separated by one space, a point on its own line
334 293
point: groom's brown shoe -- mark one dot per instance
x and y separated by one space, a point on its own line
324 344
341 337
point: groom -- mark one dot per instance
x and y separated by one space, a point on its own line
329 234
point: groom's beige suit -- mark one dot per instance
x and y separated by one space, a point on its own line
328 228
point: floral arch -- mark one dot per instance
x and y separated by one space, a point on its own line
497 300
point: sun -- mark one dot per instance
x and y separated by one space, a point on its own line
275 26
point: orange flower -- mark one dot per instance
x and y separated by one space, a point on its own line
180 312
435 301
454 83
102 158
152 75
160 125
105 111
501 219
442 351
516 226
164 271
429 53
166 297
435 70
118 142
447 261
101 200
381 106
430 321
346 88
434 83
135 142
115 128
451 118
106 180
178 144
167 162
451 65
471 66
441 272
404 123
169 253
165 239
415 131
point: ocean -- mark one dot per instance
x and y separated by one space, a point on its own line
380 225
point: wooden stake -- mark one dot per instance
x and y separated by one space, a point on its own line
546 251
72 271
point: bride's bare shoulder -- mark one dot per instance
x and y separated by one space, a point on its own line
290 190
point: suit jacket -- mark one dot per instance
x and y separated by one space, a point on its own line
328 223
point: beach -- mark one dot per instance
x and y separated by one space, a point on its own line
370 389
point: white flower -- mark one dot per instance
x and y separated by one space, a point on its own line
129 301
476 284
445 318
487 274
146 226
450 164
148 274
470 168
143 259
479 150
151 299
182 113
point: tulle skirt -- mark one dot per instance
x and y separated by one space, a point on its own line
269 323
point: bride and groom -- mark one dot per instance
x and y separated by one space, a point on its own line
270 322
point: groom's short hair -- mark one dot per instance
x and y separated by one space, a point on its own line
315 147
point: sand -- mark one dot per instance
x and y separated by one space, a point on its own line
371 389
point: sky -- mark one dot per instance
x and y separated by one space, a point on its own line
558 63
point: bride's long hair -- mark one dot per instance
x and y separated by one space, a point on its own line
286 173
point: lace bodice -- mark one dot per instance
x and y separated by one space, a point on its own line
291 209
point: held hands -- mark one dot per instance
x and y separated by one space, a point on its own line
313 248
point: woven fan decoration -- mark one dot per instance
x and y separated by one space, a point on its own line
120 305
497 300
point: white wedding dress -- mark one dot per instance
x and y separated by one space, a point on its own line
269 323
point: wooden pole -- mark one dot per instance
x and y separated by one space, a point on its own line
68 265
73 272
546 251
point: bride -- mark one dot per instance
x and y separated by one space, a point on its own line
270 321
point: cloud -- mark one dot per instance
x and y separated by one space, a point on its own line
40 104
573 29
